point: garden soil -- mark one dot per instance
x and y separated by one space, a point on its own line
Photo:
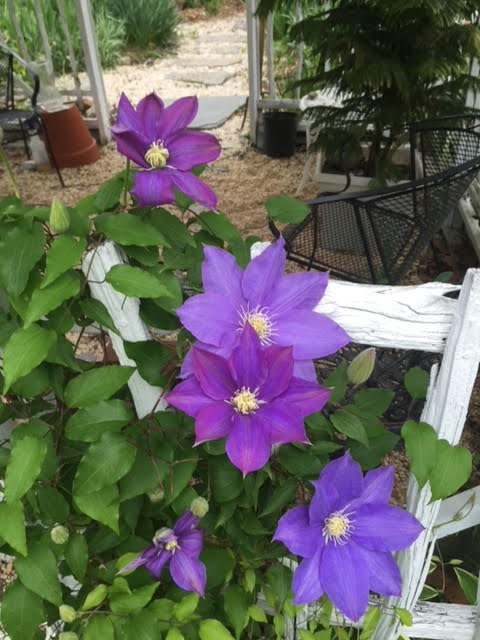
243 177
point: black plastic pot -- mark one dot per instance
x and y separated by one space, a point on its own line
280 133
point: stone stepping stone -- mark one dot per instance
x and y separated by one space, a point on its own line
224 61
208 78
226 37
213 111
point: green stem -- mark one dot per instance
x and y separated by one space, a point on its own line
125 183
8 169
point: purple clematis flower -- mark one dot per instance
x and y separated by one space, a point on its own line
182 546
279 307
252 398
346 537
156 138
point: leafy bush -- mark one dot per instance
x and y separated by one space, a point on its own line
147 22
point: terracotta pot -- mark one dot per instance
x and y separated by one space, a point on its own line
68 137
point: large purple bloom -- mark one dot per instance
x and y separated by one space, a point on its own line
252 398
346 536
156 138
182 546
279 307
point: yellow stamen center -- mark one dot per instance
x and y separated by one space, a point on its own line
260 322
245 401
337 528
172 546
157 155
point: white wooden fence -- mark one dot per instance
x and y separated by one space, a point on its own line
415 317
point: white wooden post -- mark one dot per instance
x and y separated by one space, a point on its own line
253 69
94 69
43 35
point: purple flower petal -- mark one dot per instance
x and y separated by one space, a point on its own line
246 359
283 426
344 574
299 291
188 149
247 447
192 543
153 187
262 274
380 527
188 573
312 334
325 501
305 370
213 422
188 397
305 397
280 364
150 111
186 523
139 561
213 374
294 531
345 475
177 115
211 318
221 275
126 115
306 584
132 144
194 188
378 485
385 577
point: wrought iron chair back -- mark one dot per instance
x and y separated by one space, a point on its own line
376 236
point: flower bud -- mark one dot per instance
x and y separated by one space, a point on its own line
59 220
68 635
361 367
67 613
157 494
199 507
59 534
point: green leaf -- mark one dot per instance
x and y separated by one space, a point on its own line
89 424
172 228
20 250
52 504
378 446
421 445
97 311
174 634
38 572
128 229
145 474
104 462
142 626
468 583
370 621
219 564
12 526
235 605
76 555
404 616
99 628
416 383
338 381
34 383
95 597
227 482
109 193
211 629
62 353
95 385
219 225
286 209
24 466
175 296
181 476
256 613
452 469
186 607
373 401
24 351
65 253
279 578
151 359
125 603
133 281
300 462
101 506
281 496
22 612
349 425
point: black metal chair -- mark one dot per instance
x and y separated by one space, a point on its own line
376 236
18 97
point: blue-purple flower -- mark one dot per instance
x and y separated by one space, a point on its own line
181 546
346 537
279 307
252 399
156 138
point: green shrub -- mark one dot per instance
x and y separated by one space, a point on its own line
147 22
211 6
